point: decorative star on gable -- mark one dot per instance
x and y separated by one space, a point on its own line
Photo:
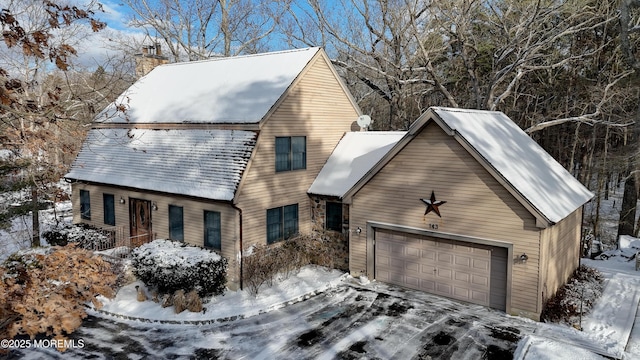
433 204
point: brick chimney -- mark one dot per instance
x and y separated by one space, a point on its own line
150 57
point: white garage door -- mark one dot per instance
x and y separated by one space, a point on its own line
454 269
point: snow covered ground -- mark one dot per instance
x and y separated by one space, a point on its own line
609 329
232 305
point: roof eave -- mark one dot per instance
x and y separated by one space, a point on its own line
158 192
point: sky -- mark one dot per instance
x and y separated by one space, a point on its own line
101 45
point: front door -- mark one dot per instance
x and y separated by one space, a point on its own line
140 228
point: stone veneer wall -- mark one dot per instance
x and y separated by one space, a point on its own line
319 217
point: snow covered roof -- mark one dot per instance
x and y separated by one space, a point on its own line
202 163
526 170
353 157
238 89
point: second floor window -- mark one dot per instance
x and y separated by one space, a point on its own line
291 153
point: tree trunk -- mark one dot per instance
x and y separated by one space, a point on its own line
629 201
35 218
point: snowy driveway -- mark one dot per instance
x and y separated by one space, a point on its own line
348 322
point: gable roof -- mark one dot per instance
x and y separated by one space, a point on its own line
355 154
527 171
234 90
200 163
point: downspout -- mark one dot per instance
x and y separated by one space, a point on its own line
240 240
581 244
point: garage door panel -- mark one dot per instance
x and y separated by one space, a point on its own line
383 248
444 274
446 258
443 267
444 289
481 264
461 292
428 255
463 261
412 281
413 252
462 276
412 268
479 297
479 280
383 261
427 285
396 249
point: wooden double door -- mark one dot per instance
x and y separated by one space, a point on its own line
140 221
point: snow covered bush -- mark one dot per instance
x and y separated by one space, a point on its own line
169 266
86 236
575 298
44 290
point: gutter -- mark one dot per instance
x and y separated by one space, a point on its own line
240 240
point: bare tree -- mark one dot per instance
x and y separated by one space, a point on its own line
370 42
43 108
630 39
201 29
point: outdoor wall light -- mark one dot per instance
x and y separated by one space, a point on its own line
359 230
524 257
122 201
154 206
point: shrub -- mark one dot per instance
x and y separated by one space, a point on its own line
43 291
169 266
86 236
262 264
580 292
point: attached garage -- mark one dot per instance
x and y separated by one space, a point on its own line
460 270
464 205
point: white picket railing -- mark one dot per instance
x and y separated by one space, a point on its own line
118 243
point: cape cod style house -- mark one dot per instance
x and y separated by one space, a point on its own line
226 153
217 153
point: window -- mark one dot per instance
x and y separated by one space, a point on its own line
334 216
85 205
291 153
212 233
109 209
176 223
282 223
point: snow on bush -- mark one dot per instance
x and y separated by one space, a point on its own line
169 266
575 298
86 236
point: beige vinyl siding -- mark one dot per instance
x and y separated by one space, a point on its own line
193 216
561 244
476 206
315 107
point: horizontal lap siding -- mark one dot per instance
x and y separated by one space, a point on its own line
316 107
562 252
477 205
193 215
